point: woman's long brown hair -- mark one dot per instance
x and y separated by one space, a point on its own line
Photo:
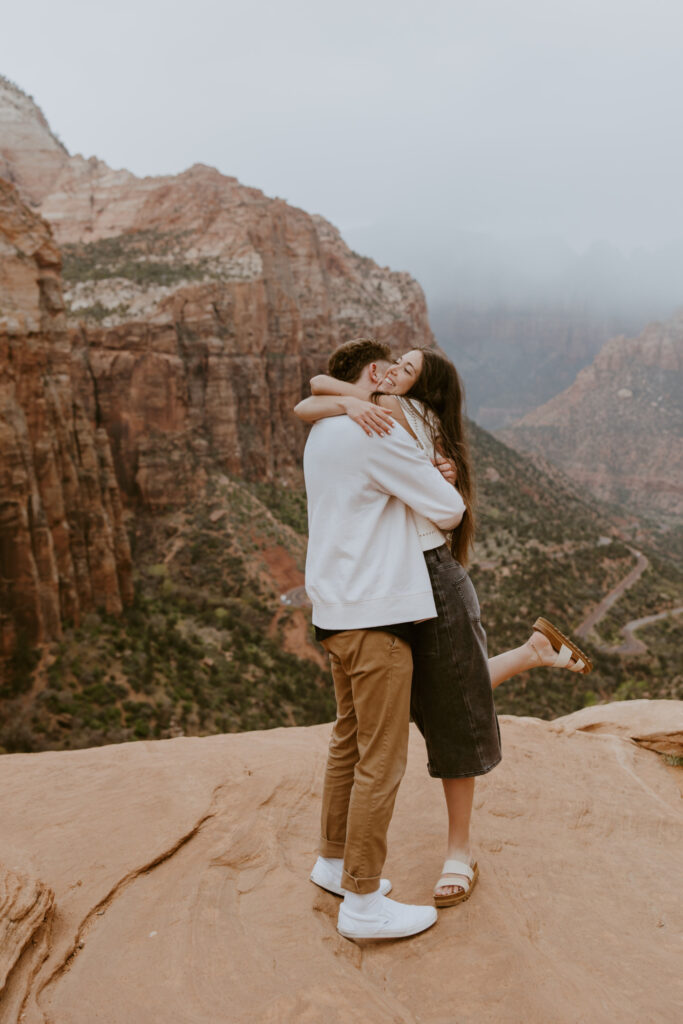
440 389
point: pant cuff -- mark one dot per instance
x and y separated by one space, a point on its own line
359 885
328 848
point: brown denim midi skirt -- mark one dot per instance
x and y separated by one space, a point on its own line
452 700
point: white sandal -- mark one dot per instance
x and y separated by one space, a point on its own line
566 649
456 867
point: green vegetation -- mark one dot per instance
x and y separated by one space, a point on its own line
201 650
144 257
177 661
98 312
657 589
539 553
18 673
287 504
208 647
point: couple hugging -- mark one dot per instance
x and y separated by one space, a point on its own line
391 521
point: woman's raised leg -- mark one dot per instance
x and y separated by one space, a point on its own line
537 651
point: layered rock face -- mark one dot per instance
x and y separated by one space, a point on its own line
63 547
618 430
200 308
203 319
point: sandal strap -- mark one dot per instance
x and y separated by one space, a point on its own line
564 656
561 644
458 883
457 867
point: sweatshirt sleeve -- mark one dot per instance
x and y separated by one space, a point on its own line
397 467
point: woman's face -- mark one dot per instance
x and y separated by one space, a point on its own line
402 374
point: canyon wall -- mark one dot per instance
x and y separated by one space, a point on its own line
190 313
199 308
63 547
203 318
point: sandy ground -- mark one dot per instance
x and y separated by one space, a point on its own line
180 878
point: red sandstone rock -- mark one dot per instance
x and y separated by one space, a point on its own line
670 743
208 370
180 871
25 904
205 308
198 308
63 547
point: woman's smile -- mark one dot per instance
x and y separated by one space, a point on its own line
400 377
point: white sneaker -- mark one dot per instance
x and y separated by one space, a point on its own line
324 876
387 920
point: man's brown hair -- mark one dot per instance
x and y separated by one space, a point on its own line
347 361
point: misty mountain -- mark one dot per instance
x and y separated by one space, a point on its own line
521 317
483 269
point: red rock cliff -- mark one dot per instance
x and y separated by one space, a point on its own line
63 548
200 308
205 307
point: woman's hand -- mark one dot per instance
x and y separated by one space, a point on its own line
372 418
446 467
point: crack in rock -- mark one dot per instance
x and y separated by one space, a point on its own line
25 905
107 900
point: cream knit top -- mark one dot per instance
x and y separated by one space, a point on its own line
430 535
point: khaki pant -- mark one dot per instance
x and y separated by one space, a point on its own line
372 673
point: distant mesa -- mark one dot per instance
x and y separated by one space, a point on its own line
618 429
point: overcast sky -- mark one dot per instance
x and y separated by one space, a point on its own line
392 118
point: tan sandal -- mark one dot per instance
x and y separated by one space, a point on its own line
566 648
456 867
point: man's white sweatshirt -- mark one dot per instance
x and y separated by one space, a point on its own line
365 565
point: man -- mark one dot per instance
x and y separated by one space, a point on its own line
368 582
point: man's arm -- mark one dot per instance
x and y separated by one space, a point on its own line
397 467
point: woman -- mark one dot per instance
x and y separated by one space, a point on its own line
453 678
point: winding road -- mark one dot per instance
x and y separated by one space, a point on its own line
600 610
631 644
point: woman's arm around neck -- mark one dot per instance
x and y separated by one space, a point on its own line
323 384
